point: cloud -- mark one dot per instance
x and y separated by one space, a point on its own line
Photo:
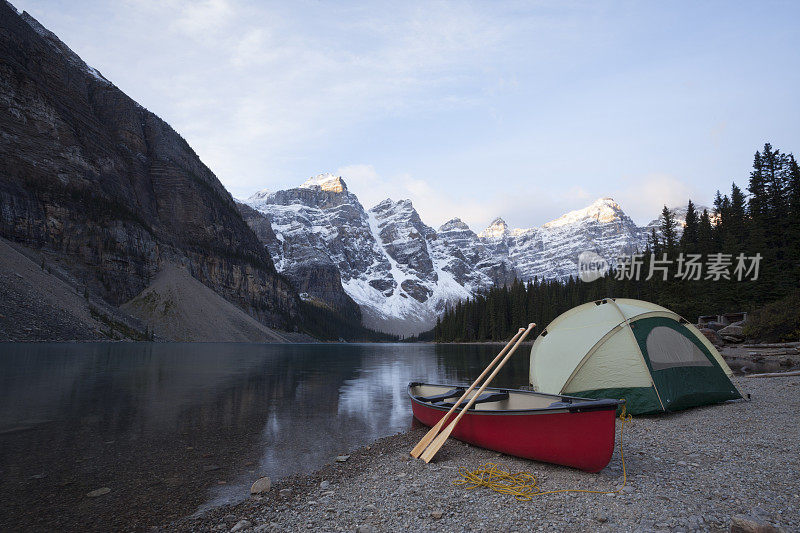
434 206
642 198
198 18
470 109
437 204
255 87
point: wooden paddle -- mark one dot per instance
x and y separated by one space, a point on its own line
444 435
422 444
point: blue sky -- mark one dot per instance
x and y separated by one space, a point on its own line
517 109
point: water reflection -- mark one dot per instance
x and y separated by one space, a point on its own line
172 427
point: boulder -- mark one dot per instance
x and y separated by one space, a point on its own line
732 333
711 335
241 525
261 485
748 524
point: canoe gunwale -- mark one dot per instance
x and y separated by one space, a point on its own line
577 404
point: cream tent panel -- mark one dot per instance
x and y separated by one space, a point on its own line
616 361
634 308
569 337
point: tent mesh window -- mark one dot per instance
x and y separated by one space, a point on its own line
668 348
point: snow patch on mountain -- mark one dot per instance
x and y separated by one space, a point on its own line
326 182
417 290
602 210
497 229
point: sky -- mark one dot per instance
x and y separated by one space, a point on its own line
474 110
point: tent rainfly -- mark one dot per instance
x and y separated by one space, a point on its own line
622 348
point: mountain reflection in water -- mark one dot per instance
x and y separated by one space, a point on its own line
171 428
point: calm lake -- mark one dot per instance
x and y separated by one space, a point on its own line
174 428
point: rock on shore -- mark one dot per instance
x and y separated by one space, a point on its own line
690 471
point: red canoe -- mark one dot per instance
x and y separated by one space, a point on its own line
564 430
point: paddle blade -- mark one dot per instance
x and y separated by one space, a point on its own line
437 443
429 436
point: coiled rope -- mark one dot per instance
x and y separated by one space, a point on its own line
524 485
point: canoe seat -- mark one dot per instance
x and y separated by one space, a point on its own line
439 397
486 397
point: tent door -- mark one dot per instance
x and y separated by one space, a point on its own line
683 370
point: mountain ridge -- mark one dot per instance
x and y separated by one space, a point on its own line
402 273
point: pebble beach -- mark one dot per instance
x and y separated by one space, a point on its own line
705 469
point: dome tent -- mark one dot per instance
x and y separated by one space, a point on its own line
622 348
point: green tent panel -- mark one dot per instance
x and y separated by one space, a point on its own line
623 348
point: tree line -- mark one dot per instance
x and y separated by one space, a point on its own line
749 246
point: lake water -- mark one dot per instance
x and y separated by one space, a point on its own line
174 428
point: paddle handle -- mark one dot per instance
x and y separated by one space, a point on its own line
423 443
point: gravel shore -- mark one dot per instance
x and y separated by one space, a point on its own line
689 471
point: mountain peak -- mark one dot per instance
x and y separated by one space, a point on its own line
453 224
327 182
602 210
402 204
497 228
258 199
259 195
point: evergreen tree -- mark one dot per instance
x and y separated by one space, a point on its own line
705 236
773 164
757 204
668 233
653 244
793 187
735 222
689 237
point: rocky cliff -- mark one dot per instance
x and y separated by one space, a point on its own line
315 278
110 190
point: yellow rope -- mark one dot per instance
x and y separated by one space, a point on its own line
523 485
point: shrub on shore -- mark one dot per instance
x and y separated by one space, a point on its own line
776 321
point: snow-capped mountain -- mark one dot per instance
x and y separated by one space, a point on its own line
401 272
551 251
383 255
